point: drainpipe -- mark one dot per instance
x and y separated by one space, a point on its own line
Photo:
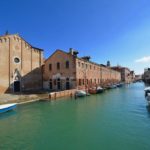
9 64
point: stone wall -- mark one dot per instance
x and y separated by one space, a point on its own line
66 93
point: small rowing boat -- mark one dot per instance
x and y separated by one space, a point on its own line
7 107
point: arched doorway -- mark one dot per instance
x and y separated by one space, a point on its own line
16 86
67 84
50 84
58 84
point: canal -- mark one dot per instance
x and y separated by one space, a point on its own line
117 119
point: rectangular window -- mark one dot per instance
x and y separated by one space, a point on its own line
86 66
78 64
82 65
50 67
90 67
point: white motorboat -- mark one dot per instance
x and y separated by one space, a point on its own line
99 89
80 93
7 107
147 90
148 98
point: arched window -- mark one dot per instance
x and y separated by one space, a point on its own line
58 65
91 81
83 81
67 64
80 82
87 81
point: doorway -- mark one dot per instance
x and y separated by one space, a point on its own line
58 84
16 86
67 84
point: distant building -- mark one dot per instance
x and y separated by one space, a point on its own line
65 70
146 75
132 75
20 65
127 76
138 77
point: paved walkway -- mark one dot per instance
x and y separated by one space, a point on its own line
11 98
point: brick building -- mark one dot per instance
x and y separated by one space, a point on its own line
20 65
127 76
64 70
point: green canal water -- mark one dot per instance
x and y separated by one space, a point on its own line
118 119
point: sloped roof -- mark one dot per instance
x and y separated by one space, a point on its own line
8 35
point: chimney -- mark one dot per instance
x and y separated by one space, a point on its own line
73 52
87 58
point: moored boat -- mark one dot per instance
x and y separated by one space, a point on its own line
99 89
80 93
7 107
113 86
119 84
95 90
148 98
147 90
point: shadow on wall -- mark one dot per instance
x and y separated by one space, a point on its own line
30 83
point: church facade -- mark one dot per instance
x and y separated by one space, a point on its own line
20 65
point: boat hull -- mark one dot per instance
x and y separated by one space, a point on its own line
7 108
95 91
92 91
80 94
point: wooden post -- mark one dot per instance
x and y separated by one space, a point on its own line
55 95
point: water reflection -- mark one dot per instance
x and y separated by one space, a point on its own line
8 114
148 110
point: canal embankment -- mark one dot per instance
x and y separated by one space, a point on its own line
21 98
32 97
27 98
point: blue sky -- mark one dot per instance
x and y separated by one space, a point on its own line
115 30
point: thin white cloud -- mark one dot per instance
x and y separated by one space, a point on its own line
145 59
